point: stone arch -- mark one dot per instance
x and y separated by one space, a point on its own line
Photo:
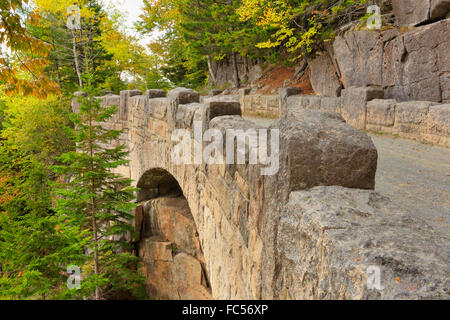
168 241
259 233
157 182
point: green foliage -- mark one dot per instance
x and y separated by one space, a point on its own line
34 249
98 201
299 26
195 30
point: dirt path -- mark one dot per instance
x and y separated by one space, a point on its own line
415 176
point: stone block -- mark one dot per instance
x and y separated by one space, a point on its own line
184 96
354 104
331 104
124 104
297 102
155 93
412 112
321 149
218 106
158 107
328 237
381 112
438 120
185 115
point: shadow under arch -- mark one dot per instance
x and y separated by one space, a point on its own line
169 242
156 183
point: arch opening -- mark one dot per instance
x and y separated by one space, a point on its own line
157 183
169 242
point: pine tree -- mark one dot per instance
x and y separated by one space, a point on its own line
34 248
99 201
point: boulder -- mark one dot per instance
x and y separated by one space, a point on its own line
157 250
188 277
171 219
359 56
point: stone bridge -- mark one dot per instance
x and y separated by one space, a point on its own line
314 230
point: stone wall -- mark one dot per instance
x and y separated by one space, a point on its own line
309 231
364 109
259 105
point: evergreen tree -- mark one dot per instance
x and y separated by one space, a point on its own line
35 249
196 34
99 201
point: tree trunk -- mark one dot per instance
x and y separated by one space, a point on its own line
211 71
58 74
75 58
235 70
93 213
96 269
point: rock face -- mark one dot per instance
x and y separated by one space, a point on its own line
170 248
288 234
248 70
414 12
324 79
329 236
410 66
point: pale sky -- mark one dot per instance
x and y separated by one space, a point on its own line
132 9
